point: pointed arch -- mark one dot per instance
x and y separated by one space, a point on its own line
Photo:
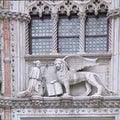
96 5
39 7
97 24
67 7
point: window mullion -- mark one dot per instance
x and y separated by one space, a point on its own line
82 18
54 17
27 37
109 35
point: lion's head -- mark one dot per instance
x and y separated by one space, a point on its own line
60 64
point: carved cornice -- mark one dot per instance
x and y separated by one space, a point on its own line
53 57
14 15
59 102
114 13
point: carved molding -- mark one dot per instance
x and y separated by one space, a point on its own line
57 113
114 13
14 16
66 6
61 102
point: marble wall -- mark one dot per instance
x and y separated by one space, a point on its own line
20 62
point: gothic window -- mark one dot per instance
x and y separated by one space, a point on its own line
68 34
96 32
67 31
41 34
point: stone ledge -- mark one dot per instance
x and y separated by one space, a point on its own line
4 14
60 102
52 57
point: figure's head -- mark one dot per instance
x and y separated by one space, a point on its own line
37 63
60 64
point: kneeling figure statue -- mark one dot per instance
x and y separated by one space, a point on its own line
35 84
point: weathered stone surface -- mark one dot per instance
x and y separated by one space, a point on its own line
60 102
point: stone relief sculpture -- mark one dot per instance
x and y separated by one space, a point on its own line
36 84
69 72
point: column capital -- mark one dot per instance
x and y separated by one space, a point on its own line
54 17
82 16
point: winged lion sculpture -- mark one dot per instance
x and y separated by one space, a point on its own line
68 71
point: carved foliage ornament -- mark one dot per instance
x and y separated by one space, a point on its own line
67 6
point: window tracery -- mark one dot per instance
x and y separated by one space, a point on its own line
83 11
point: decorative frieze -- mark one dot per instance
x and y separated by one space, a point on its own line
78 114
61 102
67 6
14 15
72 112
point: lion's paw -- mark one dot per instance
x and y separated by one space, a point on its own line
66 95
96 94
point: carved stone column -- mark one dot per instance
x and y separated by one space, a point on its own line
82 18
54 32
26 38
114 15
110 35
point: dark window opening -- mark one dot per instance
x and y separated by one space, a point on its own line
96 34
68 34
41 35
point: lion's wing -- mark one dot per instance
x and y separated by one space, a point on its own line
76 63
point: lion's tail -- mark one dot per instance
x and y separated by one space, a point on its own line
113 93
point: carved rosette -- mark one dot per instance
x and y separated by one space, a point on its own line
54 32
82 18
